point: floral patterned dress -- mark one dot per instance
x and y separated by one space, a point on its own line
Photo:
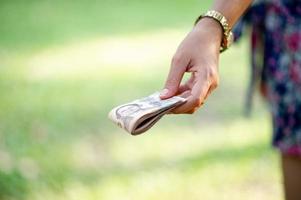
276 62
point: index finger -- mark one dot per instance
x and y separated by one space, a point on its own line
175 75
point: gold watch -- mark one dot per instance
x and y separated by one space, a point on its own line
221 19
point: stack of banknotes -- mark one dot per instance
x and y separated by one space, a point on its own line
138 116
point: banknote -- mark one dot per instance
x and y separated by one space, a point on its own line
138 116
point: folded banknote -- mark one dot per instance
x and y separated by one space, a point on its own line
140 115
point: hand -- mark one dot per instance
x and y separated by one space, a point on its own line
198 54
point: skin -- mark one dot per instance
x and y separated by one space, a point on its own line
198 54
291 168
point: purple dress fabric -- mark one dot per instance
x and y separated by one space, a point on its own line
276 62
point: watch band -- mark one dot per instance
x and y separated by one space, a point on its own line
221 19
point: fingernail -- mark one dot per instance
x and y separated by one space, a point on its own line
164 92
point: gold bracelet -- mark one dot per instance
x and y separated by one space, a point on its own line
221 19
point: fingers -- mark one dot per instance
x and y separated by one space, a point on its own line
177 70
183 88
196 98
185 95
201 89
205 81
211 88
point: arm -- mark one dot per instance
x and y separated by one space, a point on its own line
198 54
232 9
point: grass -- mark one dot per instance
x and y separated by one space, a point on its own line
65 64
34 23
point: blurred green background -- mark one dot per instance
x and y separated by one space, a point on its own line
65 63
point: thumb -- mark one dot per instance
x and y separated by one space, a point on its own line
177 70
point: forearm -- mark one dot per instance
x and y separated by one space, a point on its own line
231 9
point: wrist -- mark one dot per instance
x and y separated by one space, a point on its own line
212 29
227 35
